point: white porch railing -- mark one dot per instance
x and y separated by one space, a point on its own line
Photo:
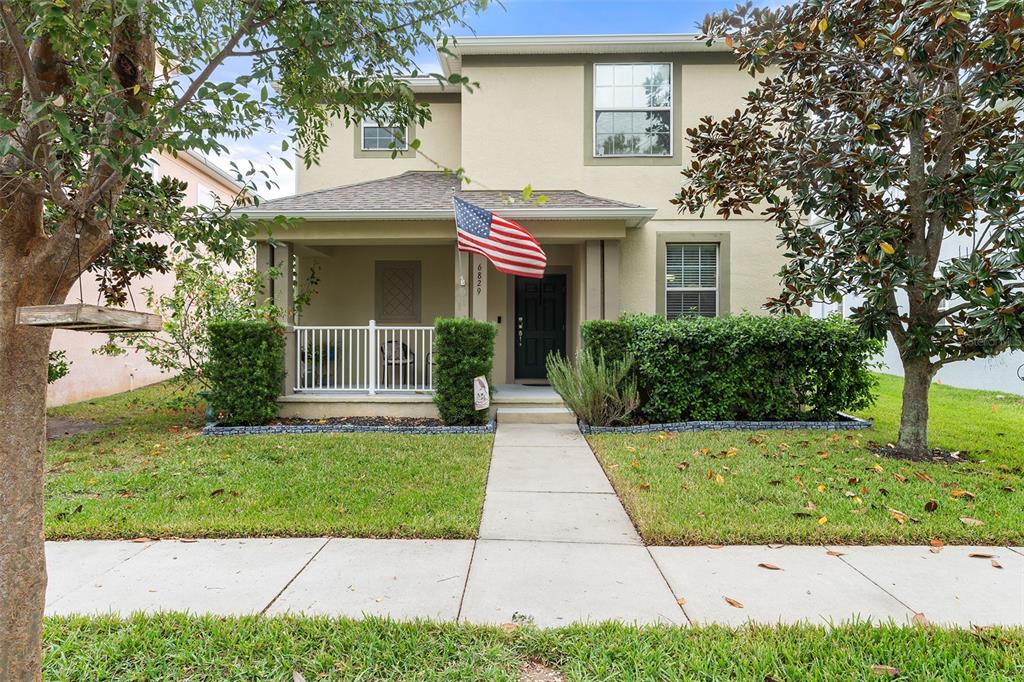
371 358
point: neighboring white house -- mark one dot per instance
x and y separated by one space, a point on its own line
1004 372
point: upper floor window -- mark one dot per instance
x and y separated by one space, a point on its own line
205 196
378 137
632 110
691 280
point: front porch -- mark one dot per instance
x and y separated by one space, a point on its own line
325 404
373 280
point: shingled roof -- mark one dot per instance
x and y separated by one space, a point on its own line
430 192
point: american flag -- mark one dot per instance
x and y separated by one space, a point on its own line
506 244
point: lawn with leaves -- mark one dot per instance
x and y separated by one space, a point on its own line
148 472
177 647
807 487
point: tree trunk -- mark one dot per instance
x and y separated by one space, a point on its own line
23 362
917 379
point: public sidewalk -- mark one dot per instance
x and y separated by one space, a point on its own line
555 547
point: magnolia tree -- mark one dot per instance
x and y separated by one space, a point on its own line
90 91
882 130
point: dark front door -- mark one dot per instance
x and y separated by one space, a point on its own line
540 323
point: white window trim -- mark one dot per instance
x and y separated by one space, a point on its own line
374 124
718 276
671 112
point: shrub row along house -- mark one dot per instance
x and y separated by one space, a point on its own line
597 125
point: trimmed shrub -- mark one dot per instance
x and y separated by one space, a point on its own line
749 367
463 350
610 338
245 369
599 392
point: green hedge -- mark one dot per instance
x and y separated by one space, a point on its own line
744 367
463 350
245 368
610 338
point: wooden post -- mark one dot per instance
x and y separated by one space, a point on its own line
284 299
478 286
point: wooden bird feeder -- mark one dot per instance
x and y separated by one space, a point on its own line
88 318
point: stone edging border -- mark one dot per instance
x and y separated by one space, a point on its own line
846 422
277 429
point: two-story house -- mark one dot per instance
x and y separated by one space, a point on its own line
594 123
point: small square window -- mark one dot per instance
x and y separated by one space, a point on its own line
383 138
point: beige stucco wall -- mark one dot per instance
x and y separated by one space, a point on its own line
545 130
92 375
439 140
345 294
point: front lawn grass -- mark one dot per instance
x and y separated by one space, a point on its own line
807 487
148 472
177 647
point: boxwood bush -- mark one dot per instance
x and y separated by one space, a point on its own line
463 350
744 367
245 368
610 338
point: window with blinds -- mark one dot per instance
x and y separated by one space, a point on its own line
691 280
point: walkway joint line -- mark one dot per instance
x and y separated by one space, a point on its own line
277 596
872 581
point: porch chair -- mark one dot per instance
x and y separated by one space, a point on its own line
396 356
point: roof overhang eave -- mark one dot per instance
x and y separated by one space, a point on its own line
633 217
572 44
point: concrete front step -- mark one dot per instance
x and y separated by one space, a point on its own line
535 415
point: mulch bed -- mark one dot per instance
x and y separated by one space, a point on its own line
936 455
361 421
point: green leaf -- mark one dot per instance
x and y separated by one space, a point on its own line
961 15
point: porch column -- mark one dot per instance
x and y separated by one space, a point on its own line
264 258
461 284
478 285
612 296
284 299
592 263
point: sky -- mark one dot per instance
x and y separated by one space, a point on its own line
516 17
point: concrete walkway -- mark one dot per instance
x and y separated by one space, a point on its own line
555 547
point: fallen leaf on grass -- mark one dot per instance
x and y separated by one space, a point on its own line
968 521
897 515
900 477
822 520
297 676
919 619
924 477
931 505
770 567
885 670
645 486
732 602
962 493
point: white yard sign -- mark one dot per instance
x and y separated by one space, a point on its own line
481 394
